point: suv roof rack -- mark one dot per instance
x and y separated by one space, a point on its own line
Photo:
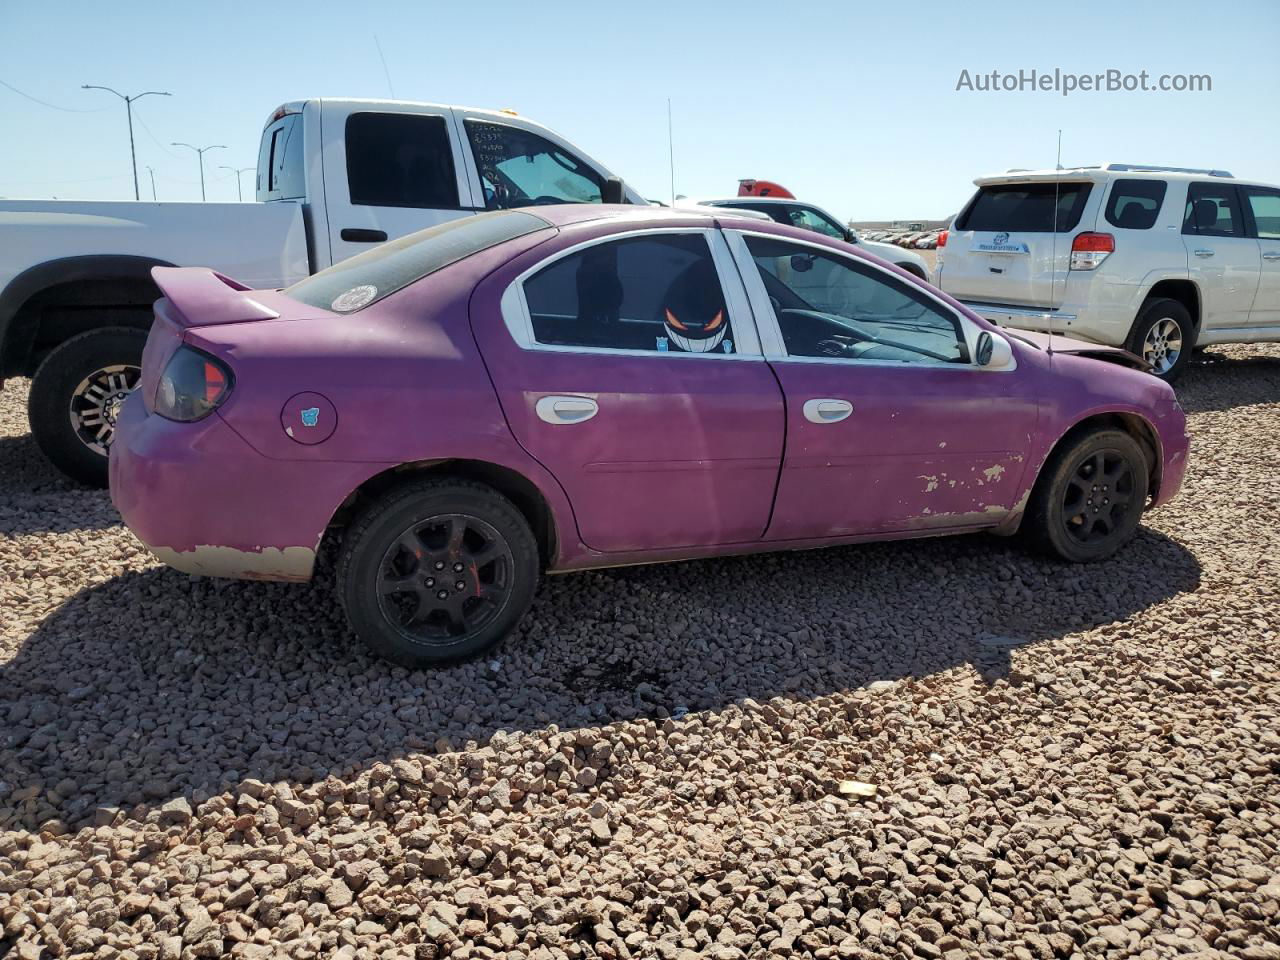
1156 168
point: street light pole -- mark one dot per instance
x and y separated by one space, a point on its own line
128 108
200 153
237 171
151 170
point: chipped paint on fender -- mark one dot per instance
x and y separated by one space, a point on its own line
267 563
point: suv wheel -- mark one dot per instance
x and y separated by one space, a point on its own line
1089 498
437 571
76 396
1164 336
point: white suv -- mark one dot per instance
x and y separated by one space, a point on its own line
1155 259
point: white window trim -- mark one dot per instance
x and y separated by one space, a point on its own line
746 338
770 330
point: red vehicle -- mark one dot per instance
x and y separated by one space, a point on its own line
564 387
763 188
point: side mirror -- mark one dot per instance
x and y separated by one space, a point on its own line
992 350
801 262
612 191
850 236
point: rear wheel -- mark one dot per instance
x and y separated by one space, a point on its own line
437 571
1164 336
1090 496
76 396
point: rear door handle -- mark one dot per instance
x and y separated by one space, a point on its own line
1271 255
827 410
1203 252
359 235
566 409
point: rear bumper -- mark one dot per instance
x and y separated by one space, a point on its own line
1081 320
205 502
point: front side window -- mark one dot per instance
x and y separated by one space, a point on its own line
519 168
1212 211
808 219
1135 204
1265 206
1025 207
655 293
400 160
828 306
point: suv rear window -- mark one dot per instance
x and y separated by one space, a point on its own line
1135 204
1025 207
368 277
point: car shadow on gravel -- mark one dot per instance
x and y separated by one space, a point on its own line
1217 381
36 498
156 684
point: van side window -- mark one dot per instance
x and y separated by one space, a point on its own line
400 160
1135 204
1213 210
520 169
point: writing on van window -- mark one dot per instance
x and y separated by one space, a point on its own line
519 168
657 293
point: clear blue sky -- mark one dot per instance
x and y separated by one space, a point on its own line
850 105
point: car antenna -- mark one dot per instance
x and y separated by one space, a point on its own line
1053 243
671 155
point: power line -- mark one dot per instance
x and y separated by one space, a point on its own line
45 103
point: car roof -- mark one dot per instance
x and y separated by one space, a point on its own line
1106 171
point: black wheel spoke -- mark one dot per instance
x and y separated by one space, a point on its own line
411 584
457 533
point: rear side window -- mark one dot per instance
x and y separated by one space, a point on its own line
1135 204
368 277
1212 210
658 293
518 168
1025 207
1265 205
400 160
281 174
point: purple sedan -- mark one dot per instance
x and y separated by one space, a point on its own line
567 387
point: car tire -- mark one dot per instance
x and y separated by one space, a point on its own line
1074 515
75 397
1162 326
420 593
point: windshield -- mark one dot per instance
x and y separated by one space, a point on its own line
368 277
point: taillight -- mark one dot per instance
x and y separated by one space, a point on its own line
192 386
942 239
1088 250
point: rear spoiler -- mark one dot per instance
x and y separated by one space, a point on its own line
202 297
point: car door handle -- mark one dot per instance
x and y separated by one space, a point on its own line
826 410
566 409
1271 255
357 235
1202 252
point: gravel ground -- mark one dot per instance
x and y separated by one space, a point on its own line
1067 762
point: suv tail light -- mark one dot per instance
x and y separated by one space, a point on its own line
942 239
1088 250
192 386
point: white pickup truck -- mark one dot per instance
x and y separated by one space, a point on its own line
334 178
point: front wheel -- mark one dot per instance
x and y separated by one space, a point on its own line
76 396
1089 498
1163 335
437 571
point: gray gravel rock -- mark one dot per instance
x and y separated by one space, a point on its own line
651 766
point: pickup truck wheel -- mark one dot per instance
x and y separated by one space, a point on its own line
1089 498
437 571
76 396
1164 336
